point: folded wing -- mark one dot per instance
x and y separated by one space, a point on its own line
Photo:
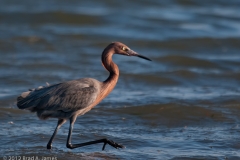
65 97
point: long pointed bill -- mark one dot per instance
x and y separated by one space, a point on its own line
132 53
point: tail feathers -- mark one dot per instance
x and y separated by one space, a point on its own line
23 95
25 102
21 98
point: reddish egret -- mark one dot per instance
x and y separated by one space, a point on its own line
71 99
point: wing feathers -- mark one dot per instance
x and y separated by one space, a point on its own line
66 97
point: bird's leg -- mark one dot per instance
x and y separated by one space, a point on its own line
105 141
60 123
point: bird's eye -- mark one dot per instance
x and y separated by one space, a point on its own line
125 49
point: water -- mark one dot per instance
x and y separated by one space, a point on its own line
183 105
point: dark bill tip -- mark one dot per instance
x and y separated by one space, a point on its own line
143 57
132 53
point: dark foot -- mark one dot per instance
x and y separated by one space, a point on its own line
69 146
49 146
111 143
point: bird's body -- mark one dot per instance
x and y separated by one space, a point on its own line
62 100
70 99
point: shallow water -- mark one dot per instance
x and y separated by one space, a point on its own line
183 105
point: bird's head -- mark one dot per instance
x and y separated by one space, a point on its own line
120 48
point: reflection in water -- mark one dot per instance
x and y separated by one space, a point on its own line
183 105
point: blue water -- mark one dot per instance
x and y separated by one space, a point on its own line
182 105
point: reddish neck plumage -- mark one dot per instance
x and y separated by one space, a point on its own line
107 62
110 66
111 81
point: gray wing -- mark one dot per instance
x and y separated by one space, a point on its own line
67 96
